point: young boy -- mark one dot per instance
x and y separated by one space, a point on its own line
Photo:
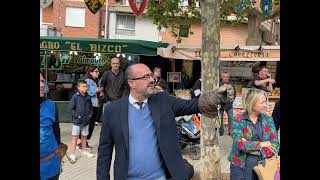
81 109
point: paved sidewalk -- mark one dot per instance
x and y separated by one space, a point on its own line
85 168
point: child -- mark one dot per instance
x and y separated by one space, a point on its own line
81 109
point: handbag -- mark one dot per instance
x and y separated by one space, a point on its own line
269 169
61 151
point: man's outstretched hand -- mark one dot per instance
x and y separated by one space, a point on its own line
208 104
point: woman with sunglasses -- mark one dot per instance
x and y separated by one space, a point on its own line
254 134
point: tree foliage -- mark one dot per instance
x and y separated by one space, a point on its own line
170 14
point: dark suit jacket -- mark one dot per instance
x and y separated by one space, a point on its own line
276 115
114 132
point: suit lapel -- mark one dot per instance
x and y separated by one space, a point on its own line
124 120
155 113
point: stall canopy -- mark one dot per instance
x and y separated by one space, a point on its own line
109 46
227 53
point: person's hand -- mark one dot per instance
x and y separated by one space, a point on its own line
158 89
208 103
272 81
99 90
265 144
269 75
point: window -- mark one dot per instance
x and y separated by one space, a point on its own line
184 30
75 17
125 25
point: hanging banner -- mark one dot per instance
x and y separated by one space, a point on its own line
45 3
137 6
266 7
94 5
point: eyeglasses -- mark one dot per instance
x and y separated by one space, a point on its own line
147 76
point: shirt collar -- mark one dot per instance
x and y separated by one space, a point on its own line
245 116
133 101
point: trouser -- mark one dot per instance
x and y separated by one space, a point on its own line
99 114
91 122
230 117
246 173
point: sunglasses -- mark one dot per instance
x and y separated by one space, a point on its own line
147 76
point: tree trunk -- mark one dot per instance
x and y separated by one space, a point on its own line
210 17
254 34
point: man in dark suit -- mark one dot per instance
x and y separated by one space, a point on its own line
142 128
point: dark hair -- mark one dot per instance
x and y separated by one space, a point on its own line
81 81
42 73
91 69
156 68
262 67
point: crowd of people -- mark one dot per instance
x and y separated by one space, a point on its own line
137 116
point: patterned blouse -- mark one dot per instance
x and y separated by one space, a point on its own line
244 128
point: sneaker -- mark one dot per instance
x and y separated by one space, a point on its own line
78 147
87 154
72 157
88 147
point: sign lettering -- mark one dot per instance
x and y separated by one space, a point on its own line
50 45
250 54
75 47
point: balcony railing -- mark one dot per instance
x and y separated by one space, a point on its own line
272 33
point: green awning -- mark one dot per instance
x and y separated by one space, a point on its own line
109 46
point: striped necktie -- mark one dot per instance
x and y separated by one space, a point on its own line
140 104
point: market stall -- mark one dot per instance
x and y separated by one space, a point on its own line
65 60
241 62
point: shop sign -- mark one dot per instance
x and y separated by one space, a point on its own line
94 61
65 59
85 47
251 54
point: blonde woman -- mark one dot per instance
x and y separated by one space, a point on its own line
253 132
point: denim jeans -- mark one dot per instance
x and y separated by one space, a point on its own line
230 117
246 173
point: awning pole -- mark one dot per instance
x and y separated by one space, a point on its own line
46 68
